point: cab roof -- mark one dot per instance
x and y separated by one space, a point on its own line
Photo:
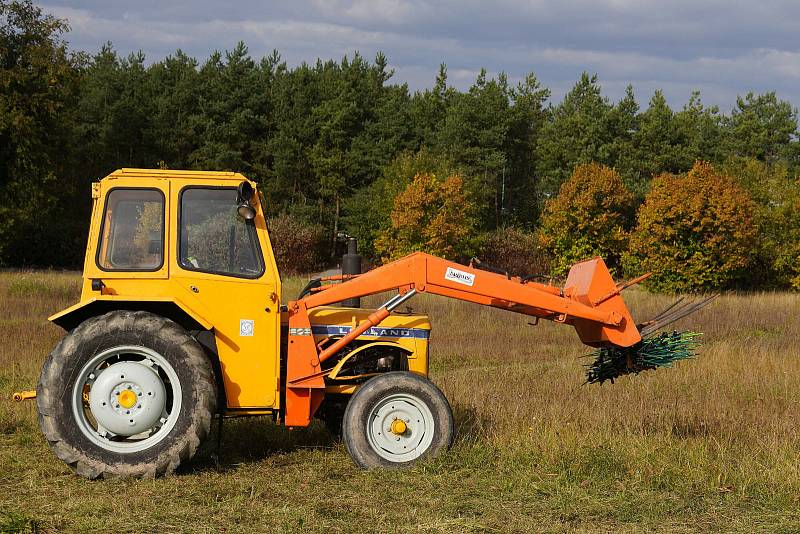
174 173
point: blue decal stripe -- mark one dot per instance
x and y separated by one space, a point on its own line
376 331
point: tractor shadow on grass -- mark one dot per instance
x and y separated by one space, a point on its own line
250 440
471 426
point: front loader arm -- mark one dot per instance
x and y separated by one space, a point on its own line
589 301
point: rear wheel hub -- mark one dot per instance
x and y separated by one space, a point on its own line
127 398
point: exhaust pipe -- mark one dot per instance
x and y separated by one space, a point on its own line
351 264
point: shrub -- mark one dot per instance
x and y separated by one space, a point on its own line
367 213
776 194
695 232
514 250
430 215
590 217
297 245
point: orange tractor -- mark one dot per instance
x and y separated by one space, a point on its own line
180 321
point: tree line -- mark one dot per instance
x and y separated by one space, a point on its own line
333 144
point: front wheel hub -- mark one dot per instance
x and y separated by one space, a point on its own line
400 427
128 398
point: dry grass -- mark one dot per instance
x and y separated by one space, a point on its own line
711 444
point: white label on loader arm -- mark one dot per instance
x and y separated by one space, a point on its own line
246 327
459 277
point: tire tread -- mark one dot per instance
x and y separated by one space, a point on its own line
360 405
57 374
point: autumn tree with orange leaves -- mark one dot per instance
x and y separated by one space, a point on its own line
430 215
590 217
694 232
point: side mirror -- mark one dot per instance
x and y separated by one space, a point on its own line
243 195
246 211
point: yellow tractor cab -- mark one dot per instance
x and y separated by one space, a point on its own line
180 320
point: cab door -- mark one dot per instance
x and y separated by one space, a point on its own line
224 267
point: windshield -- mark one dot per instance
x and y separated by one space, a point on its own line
214 238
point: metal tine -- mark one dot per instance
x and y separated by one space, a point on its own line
649 329
681 309
661 314
670 318
672 311
698 305
677 314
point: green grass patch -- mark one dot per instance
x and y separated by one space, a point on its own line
710 444
13 522
51 288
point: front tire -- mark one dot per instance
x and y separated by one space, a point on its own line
396 419
126 394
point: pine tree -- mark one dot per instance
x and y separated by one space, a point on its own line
576 133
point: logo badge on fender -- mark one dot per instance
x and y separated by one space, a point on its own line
460 277
246 327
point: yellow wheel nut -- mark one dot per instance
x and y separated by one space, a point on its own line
399 427
127 398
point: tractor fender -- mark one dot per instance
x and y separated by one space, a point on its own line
336 368
171 308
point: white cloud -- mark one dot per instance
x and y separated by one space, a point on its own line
391 11
718 48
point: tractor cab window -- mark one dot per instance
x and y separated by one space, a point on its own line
214 238
132 234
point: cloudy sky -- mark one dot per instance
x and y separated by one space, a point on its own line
722 48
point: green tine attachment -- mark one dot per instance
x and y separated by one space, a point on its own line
660 350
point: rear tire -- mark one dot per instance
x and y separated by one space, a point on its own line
127 394
395 420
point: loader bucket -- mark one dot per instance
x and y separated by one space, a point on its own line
589 282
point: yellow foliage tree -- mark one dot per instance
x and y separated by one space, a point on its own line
776 194
695 232
430 215
589 217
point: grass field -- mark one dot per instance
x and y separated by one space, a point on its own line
711 444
